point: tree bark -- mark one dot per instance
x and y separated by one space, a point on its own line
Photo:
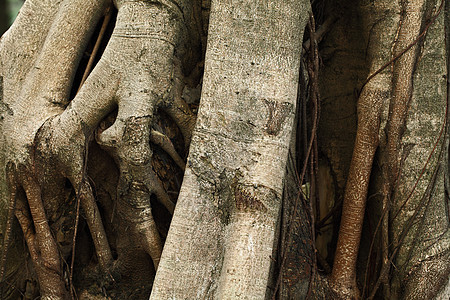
226 214
373 97
419 217
102 149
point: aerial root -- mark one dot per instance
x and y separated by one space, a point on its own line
150 239
136 209
57 150
95 224
44 238
182 115
41 244
11 212
153 182
25 222
165 143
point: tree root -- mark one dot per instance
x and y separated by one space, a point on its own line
137 74
38 236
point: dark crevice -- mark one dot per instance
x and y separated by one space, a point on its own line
87 52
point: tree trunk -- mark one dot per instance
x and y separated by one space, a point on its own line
97 111
397 147
50 151
419 215
223 231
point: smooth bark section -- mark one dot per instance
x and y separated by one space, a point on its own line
221 236
34 90
26 36
46 86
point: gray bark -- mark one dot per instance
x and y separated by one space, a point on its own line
226 223
423 259
230 199
138 73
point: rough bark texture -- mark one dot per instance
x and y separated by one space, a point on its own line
420 228
229 203
115 146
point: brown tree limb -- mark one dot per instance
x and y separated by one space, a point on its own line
164 142
106 20
48 264
368 126
421 35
